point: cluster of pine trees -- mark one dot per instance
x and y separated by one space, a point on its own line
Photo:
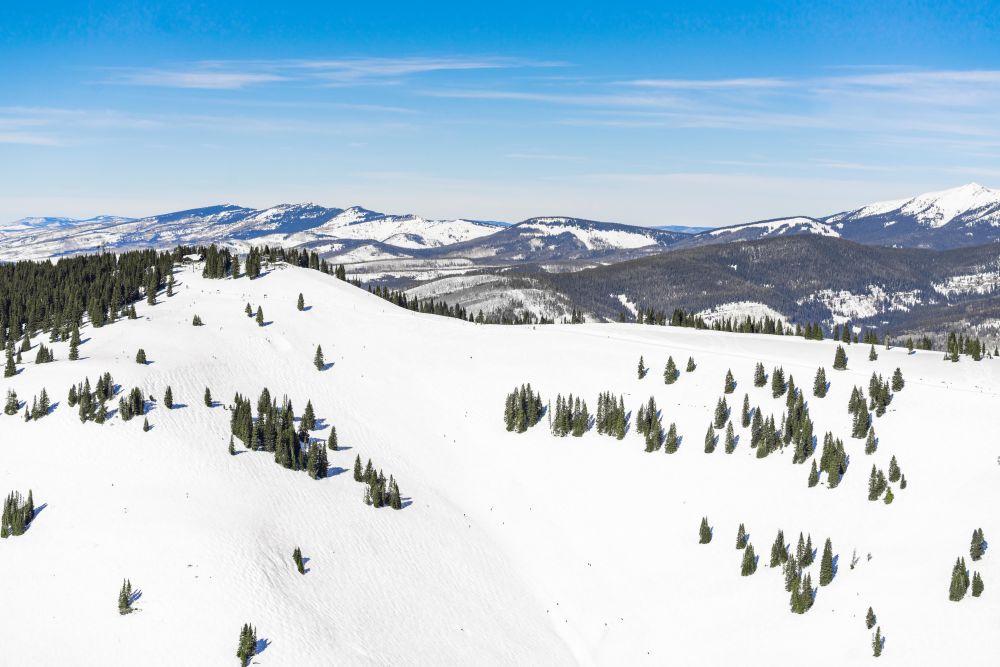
522 409
649 425
960 344
611 418
40 405
378 492
833 461
247 647
125 598
55 297
92 402
44 355
132 404
960 579
11 404
274 431
570 416
17 514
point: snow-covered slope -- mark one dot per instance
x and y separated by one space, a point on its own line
771 228
286 224
516 548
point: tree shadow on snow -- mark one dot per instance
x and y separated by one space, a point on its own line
52 408
178 406
836 564
136 594
306 309
406 502
333 471
38 510
262 645
327 366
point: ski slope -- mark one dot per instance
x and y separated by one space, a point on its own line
514 549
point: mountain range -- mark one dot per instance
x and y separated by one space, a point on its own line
964 216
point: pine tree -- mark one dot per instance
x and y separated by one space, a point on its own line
248 310
826 572
745 413
779 553
168 398
331 440
145 425
690 365
730 439
196 321
872 354
749 564
125 598
721 413
902 481
301 303
897 380
670 444
297 555
710 440
870 619
357 468
977 585
759 377
877 642
9 369
889 497
232 446
670 372
247 647
74 345
819 384
642 368
978 547
778 386
813 475
140 356
260 316
871 445
12 404
840 359
704 532
959 581
208 397
894 472
741 537
318 359
730 385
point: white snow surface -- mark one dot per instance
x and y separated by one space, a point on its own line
935 209
985 282
517 549
779 227
592 238
845 305
740 310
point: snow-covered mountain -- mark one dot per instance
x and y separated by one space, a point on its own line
285 224
964 216
511 548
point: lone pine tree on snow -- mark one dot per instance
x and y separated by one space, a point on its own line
704 532
730 385
301 303
297 555
642 368
247 647
840 359
318 359
670 372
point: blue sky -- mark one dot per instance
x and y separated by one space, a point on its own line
646 113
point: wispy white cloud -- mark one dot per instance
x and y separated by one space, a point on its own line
709 84
237 74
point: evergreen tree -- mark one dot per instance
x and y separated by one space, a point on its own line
871 445
9 369
357 468
12 405
977 585
208 397
749 564
642 368
331 441
894 472
318 359
125 598
704 532
721 413
978 547
741 537
297 554
877 642
840 359
819 384
745 413
670 372
301 303
730 439
260 316
690 365
145 425
140 356
248 310
710 440
813 475
168 398
870 619
730 385
779 552
196 321
247 647
778 382
959 581
826 572
232 446
759 377
888 496
872 354
897 380
74 344
671 443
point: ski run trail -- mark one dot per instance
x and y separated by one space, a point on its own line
511 549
